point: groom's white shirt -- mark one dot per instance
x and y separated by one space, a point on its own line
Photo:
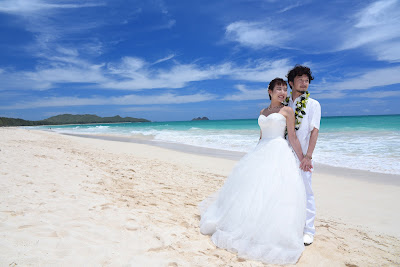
310 121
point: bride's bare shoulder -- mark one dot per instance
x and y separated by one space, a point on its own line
286 111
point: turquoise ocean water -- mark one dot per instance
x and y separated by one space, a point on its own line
359 142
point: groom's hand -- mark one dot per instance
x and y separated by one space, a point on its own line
306 164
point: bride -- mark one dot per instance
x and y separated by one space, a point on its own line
259 213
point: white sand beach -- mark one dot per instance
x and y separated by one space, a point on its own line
68 200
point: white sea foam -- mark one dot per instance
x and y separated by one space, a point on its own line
217 139
377 151
367 150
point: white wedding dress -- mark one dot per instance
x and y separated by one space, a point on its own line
260 211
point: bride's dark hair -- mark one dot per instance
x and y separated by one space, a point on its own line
276 81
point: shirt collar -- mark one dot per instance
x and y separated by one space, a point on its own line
291 101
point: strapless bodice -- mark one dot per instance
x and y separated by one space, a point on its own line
272 126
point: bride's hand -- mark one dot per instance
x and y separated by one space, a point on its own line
306 164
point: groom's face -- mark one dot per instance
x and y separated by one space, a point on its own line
300 83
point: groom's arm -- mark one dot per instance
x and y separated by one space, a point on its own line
313 142
306 163
315 112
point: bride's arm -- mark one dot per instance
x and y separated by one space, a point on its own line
261 112
294 141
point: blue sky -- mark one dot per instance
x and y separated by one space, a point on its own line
176 60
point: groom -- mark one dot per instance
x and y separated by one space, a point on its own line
308 116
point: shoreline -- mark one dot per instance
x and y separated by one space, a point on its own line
369 176
219 153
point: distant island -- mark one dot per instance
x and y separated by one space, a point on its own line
200 119
68 119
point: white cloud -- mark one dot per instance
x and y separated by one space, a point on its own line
11 80
247 94
54 61
49 74
169 24
261 71
307 31
128 66
330 94
167 98
164 26
52 23
132 73
369 79
291 7
368 36
140 75
68 75
379 94
31 6
389 51
164 59
255 34
377 27
68 51
13 94
377 13
56 102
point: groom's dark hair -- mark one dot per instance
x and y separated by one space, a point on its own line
299 70
276 81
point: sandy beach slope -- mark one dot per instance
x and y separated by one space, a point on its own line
68 200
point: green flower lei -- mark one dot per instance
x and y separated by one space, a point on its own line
299 111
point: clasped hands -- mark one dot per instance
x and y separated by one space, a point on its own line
306 164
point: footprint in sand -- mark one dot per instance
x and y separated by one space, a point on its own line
160 248
132 226
185 224
24 226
